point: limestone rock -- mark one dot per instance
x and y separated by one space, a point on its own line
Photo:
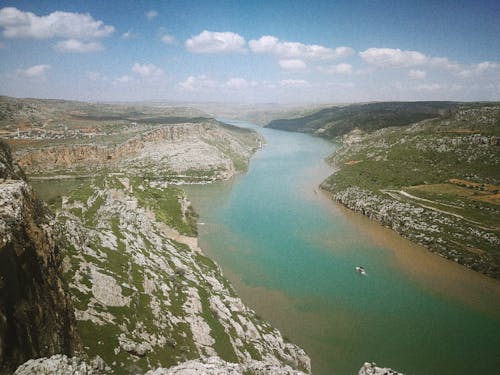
372 369
217 366
58 364
36 314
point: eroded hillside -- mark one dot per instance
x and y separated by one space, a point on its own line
76 139
436 182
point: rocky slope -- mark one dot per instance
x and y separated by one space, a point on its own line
145 295
36 315
435 182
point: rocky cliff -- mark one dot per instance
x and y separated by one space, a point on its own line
36 315
189 152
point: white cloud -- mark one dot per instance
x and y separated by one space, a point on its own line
216 42
292 64
478 69
390 57
168 39
124 79
417 74
147 70
129 35
151 14
198 83
239 84
74 45
337 69
19 24
204 83
266 44
396 58
290 50
443 62
486 65
36 71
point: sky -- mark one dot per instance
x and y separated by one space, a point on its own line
251 51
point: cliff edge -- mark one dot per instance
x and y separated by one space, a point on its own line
36 315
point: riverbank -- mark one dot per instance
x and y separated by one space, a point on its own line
428 170
290 253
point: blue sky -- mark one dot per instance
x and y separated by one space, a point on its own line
251 51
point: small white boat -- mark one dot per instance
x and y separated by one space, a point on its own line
361 270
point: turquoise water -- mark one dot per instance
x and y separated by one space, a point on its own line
291 254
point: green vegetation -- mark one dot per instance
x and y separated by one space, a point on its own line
339 120
164 203
446 168
66 114
222 344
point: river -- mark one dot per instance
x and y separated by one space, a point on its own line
291 252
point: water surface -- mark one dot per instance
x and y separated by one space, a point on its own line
291 253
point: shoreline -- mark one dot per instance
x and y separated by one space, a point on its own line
430 269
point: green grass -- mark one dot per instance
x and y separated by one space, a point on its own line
101 340
165 204
222 345
422 162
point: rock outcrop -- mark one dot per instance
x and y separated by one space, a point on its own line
217 366
372 369
188 152
60 364
144 295
36 315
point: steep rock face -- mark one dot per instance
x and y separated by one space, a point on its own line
204 151
36 316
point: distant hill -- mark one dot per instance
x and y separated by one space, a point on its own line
335 121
